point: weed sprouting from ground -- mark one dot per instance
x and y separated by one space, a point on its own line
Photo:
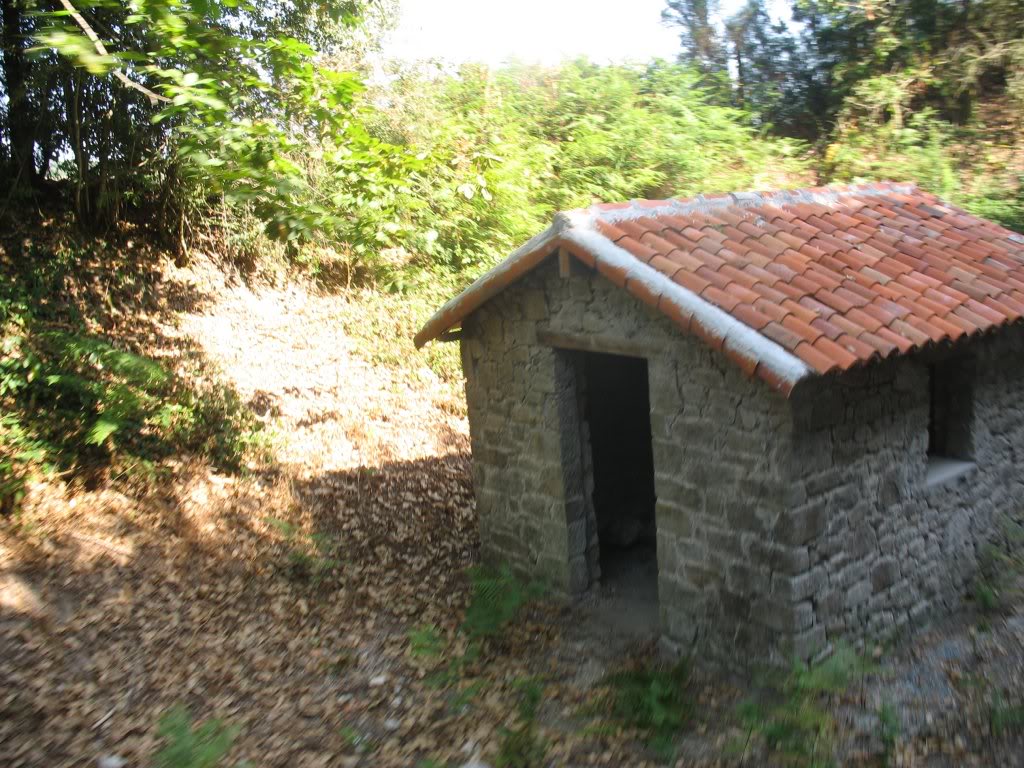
359 742
1005 717
888 729
653 699
193 746
425 642
521 746
497 597
794 719
1000 568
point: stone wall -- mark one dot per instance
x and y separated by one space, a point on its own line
718 442
782 524
886 547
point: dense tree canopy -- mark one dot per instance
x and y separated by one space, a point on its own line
930 90
168 111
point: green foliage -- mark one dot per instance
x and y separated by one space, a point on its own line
218 98
426 642
653 700
496 599
833 675
794 719
1005 717
76 402
193 746
927 91
888 729
503 149
12 488
986 597
356 740
1000 569
522 746
1002 202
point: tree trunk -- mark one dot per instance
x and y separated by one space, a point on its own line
20 115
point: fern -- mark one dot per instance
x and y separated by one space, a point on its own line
193 746
426 642
654 700
496 599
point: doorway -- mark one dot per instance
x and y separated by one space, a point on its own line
614 399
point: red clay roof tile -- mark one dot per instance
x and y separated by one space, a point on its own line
750 316
782 335
841 356
817 359
835 276
638 249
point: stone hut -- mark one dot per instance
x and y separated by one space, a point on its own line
799 412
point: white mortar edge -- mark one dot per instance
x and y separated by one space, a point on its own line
831 198
745 340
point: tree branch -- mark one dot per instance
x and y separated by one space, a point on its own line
102 51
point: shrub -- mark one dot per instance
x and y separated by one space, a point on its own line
78 401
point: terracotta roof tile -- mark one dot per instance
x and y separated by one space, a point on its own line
610 231
835 277
750 316
638 249
828 329
690 281
817 359
742 293
782 335
659 244
801 327
841 356
713 276
853 344
637 229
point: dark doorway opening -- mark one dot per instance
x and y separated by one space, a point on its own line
616 409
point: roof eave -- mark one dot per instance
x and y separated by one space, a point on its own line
491 283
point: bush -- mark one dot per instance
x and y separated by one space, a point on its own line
77 401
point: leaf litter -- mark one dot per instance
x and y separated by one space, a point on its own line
288 602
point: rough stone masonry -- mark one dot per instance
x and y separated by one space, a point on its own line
783 524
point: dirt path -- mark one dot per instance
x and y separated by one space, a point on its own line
281 602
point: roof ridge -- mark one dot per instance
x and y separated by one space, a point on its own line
703 203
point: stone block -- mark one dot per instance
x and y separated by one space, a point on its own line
884 573
801 525
809 643
801 586
858 594
781 616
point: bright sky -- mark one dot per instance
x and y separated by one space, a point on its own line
545 31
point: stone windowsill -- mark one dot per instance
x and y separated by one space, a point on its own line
941 470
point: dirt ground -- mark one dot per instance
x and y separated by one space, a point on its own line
209 592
